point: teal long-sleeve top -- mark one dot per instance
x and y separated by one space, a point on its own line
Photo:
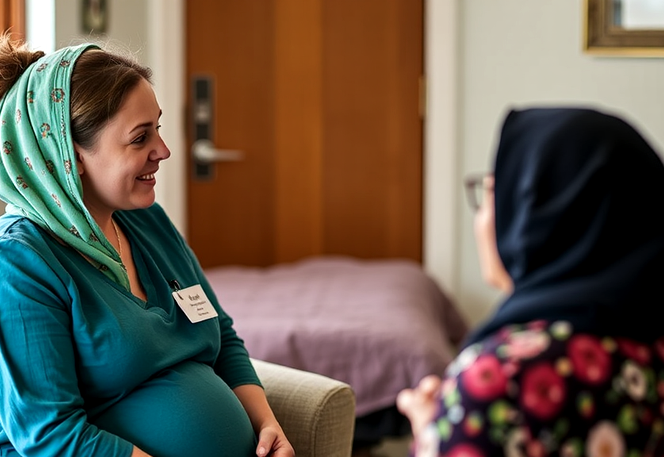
88 369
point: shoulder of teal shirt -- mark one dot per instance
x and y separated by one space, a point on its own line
7 220
22 242
170 250
25 255
35 324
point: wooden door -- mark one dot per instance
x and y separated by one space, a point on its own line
12 18
323 98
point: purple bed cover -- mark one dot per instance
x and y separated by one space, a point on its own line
378 325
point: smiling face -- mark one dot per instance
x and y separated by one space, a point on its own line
118 172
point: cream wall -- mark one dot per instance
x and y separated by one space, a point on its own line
482 56
127 25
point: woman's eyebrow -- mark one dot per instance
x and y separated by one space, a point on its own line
145 124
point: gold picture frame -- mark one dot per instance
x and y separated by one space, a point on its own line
94 16
603 37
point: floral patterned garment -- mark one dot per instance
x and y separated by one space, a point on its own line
539 389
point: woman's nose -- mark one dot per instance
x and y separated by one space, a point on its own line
160 152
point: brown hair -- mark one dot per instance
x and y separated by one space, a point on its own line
99 84
100 81
15 57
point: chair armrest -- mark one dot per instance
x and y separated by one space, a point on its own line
317 413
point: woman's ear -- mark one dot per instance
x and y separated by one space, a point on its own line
79 158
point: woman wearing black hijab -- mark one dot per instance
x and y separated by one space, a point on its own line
572 362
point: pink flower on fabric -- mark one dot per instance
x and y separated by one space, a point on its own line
543 391
605 440
590 362
484 379
526 344
465 450
635 350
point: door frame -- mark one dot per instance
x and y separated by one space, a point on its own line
441 178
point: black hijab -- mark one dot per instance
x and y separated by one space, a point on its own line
579 200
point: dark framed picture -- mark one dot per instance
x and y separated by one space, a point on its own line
94 16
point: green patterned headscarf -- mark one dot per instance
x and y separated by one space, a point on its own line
38 178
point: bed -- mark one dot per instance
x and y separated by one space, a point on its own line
378 325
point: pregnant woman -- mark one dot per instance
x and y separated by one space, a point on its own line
111 341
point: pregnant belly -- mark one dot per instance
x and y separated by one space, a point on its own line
186 411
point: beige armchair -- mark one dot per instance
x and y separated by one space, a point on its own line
317 413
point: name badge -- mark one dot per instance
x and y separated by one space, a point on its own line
195 304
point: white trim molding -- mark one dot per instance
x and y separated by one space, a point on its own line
441 169
166 36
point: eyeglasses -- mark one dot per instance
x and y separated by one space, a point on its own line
475 187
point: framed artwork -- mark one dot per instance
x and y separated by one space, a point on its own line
630 28
94 16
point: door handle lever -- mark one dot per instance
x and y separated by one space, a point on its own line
204 152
